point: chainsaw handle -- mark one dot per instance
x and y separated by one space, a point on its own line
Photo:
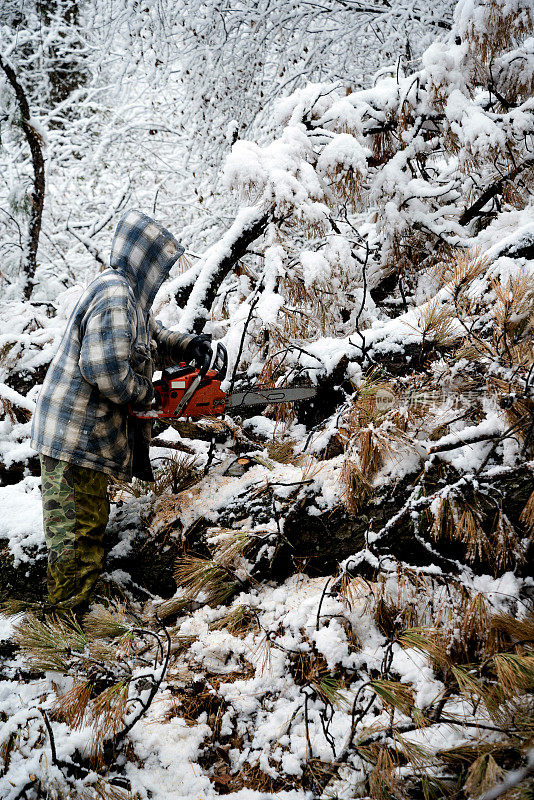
220 365
206 361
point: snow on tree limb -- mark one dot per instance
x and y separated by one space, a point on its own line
220 259
17 399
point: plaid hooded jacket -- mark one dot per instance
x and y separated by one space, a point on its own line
107 356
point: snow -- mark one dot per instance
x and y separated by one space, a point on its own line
21 520
414 668
422 138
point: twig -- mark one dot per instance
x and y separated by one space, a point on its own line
364 297
472 439
27 785
152 693
496 188
323 593
50 736
309 753
88 244
253 305
159 442
211 453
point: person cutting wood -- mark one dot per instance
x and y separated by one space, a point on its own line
81 428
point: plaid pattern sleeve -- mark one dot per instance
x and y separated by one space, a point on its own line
171 345
105 354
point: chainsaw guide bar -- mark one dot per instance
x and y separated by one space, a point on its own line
264 397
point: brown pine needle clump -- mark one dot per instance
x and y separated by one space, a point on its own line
51 643
397 695
202 576
357 488
444 525
461 269
514 672
527 516
436 322
483 775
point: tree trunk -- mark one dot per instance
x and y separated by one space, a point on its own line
37 200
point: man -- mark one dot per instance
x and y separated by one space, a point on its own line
81 426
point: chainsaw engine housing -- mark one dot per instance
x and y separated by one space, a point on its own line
208 400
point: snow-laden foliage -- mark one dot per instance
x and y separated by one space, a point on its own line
353 611
136 104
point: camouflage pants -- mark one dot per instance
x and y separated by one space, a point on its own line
75 514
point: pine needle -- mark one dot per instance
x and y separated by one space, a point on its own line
357 488
238 620
514 672
517 630
429 640
203 576
103 623
444 521
394 694
482 775
384 782
527 516
73 705
49 644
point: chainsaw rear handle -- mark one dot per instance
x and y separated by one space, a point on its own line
204 367
220 364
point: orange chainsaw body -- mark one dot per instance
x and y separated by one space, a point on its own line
208 399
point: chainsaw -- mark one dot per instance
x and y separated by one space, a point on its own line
186 390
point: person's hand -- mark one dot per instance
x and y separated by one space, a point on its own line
199 349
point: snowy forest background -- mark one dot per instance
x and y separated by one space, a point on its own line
348 613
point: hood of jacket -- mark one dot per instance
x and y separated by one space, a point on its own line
144 252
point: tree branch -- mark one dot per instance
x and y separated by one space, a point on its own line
219 261
496 188
34 142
